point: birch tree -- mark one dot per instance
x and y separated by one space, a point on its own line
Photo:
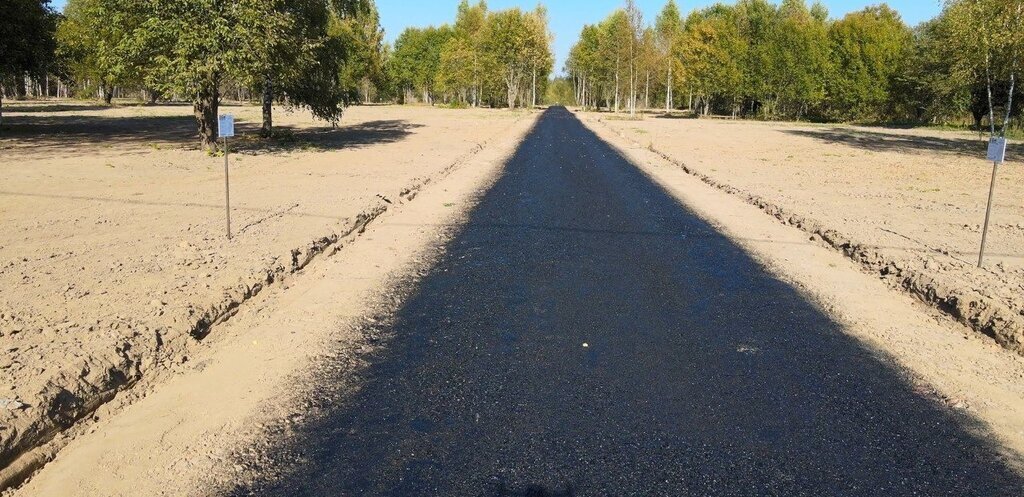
668 27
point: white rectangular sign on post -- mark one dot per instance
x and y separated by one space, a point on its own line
997 150
226 126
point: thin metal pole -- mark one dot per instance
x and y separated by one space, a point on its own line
227 187
988 214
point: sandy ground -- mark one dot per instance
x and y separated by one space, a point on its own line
906 203
114 262
944 359
259 371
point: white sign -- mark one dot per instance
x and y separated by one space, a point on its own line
997 150
226 126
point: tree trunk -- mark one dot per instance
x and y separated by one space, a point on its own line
108 94
534 98
153 96
668 90
205 109
1 108
647 92
268 107
616 91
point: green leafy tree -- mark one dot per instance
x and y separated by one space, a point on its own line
669 29
712 51
362 55
868 48
539 43
987 37
585 65
470 22
312 54
512 42
199 44
458 73
27 43
561 92
95 41
801 58
416 61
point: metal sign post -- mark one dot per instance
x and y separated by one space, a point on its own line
226 128
996 154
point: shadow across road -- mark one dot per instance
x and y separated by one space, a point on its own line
547 354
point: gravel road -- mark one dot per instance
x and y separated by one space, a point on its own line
584 334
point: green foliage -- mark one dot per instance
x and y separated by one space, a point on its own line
986 42
416 61
360 52
712 49
26 39
486 57
511 42
759 58
95 40
315 54
869 49
560 92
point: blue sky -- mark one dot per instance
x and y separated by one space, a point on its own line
569 16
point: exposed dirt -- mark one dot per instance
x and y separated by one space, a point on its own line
222 416
907 204
944 359
212 424
114 260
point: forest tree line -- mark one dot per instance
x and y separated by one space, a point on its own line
755 59
317 54
500 58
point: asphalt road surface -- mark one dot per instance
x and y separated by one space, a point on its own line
585 334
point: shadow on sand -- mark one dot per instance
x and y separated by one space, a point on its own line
71 135
882 141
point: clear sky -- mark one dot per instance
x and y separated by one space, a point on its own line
568 16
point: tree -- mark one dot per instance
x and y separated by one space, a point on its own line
27 44
304 55
510 40
668 26
614 44
585 65
801 58
94 40
988 40
470 21
868 48
416 61
361 58
539 43
634 35
561 92
712 51
198 44
458 72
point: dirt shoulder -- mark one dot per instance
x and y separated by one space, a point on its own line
945 361
114 260
907 204
213 423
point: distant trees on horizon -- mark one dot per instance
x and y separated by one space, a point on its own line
750 58
756 59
